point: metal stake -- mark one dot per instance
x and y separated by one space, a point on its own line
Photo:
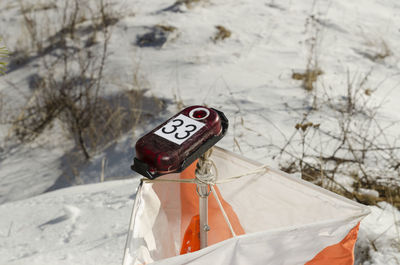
203 211
203 174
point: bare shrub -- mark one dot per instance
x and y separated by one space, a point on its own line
355 145
36 26
70 85
75 20
72 96
312 70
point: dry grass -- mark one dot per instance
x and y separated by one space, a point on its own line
382 53
69 87
312 70
166 28
309 77
221 34
386 191
377 49
358 148
3 54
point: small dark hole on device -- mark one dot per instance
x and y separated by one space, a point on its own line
198 114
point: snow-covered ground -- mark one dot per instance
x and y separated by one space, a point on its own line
247 75
82 225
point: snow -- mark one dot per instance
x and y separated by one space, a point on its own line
381 230
81 225
27 171
247 76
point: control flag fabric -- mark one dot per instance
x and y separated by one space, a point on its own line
277 218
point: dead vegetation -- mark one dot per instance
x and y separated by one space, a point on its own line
47 35
309 77
221 34
69 85
166 28
3 54
312 70
357 148
377 49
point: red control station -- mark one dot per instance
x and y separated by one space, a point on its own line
179 141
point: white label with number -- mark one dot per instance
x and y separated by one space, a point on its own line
179 129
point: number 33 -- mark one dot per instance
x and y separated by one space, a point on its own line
179 135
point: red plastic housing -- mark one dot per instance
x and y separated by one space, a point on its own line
166 147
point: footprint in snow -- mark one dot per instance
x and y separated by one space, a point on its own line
70 213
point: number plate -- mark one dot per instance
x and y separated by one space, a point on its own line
179 129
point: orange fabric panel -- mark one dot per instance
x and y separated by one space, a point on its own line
338 254
219 230
191 240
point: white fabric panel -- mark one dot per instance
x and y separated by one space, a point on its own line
286 220
274 199
169 195
155 233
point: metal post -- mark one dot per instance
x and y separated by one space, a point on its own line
203 211
203 174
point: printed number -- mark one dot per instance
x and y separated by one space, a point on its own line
175 127
179 135
179 129
187 132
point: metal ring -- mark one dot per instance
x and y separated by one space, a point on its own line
191 113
